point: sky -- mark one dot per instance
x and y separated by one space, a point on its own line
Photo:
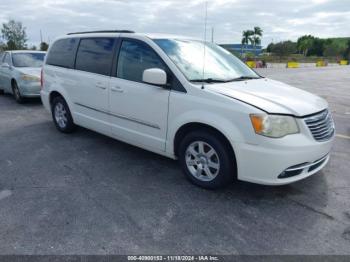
280 20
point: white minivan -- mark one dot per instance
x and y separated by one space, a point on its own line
188 100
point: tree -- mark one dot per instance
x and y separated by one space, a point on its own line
285 48
2 46
247 38
256 37
334 48
44 46
14 34
33 47
317 47
304 43
347 51
269 48
256 41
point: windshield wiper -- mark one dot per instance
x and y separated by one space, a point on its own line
242 78
209 80
213 80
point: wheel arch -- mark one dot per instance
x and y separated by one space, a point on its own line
190 127
12 82
193 126
53 95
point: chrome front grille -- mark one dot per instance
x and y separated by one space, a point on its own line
321 125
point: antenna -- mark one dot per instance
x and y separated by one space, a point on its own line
205 38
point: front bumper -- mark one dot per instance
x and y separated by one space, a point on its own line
29 88
266 163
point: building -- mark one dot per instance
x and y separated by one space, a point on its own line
239 48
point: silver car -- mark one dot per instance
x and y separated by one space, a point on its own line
20 73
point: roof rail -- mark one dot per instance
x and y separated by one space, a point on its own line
102 31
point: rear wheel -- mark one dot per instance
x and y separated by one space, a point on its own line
16 93
61 115
206 160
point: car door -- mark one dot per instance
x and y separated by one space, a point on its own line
138 110
6 73
90 82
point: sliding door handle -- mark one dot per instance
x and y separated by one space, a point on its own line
101 85
117 89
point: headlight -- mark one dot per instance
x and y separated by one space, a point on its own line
30 78
274 125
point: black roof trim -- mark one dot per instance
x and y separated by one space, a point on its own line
102 31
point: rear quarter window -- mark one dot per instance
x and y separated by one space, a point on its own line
62 53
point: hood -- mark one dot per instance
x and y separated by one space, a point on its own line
33 71
272 96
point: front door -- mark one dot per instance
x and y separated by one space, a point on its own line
138 110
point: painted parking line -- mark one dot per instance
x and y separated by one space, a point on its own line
342 136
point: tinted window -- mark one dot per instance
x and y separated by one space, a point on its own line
28 59
134 58
95 55
62 53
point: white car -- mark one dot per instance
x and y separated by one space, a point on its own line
187 100
20 73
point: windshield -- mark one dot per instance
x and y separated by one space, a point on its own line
220 65
28 59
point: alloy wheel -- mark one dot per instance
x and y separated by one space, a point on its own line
60 115
202 161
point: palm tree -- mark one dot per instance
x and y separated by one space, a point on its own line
257 33
246 38
256 41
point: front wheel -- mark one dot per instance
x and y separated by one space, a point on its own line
61 115
16 93
206 160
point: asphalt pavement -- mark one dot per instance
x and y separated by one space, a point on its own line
86 193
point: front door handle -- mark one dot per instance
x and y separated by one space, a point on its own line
101 85
117 89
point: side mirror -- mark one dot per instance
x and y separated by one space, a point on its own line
154 76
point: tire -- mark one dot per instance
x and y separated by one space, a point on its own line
61 115
202 153
16 93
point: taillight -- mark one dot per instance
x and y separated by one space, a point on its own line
41 78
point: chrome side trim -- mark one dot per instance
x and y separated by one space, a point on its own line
121 116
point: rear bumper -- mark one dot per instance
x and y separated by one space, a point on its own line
45 100
282 162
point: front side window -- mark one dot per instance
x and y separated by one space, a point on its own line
28 59
7 59
62 53
134 58
199 61
95 55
